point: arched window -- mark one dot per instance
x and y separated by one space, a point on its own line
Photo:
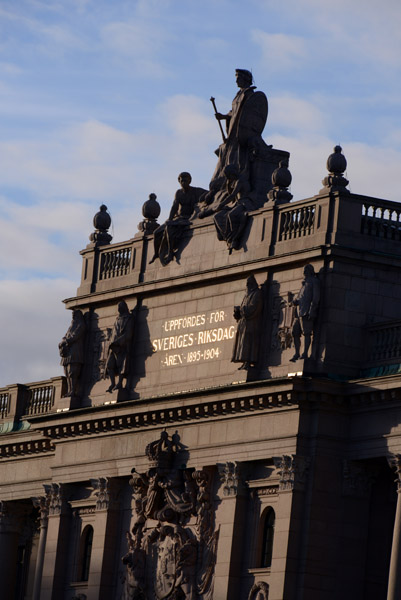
268 520
85 552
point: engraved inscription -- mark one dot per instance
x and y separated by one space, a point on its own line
186 337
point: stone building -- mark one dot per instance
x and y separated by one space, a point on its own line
277 480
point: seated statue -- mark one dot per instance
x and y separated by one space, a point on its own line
167 237
231 205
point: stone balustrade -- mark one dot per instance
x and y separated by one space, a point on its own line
19 401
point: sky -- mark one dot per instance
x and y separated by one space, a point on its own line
106 101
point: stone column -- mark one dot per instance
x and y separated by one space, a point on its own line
58 535
230 520
394 578
105 536
41 502
11 523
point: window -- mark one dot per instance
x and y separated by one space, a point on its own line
85 552
268 520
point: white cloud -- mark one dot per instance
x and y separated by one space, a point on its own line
295 114
140 42
280 51
34 321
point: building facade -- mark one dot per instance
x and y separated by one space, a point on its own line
232 429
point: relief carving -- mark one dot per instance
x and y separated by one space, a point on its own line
71 350
172 544
248 316
259 591
117 365
306 303
229 475
293 471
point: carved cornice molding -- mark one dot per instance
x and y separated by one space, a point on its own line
293 471
21 448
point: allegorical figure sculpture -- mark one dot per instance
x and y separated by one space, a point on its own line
71 350
231 206
246 345
307 302
120 345
168 236
244 147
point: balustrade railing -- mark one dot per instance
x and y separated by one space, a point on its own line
4 404
297 222
381 220
41 400
115 263
385 342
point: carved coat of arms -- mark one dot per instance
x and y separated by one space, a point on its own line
172 545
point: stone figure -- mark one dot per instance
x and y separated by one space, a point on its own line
244 146
71 350
168 236
231 206
246 345
176 557
120 346
307 303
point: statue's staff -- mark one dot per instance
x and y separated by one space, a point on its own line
212 100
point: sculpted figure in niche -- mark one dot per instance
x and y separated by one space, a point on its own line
307 303
117 365
244 124
71 350
167 237
246 345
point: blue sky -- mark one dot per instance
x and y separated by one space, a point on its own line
107 101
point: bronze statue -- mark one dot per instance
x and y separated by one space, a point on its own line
120 346
168 236
71 350
244 145
307 303
246 345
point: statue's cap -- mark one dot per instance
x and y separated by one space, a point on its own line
245 72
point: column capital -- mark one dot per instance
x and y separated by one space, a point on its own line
394 462
293 471
42 502
230 478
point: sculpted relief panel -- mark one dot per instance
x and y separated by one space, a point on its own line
172 544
